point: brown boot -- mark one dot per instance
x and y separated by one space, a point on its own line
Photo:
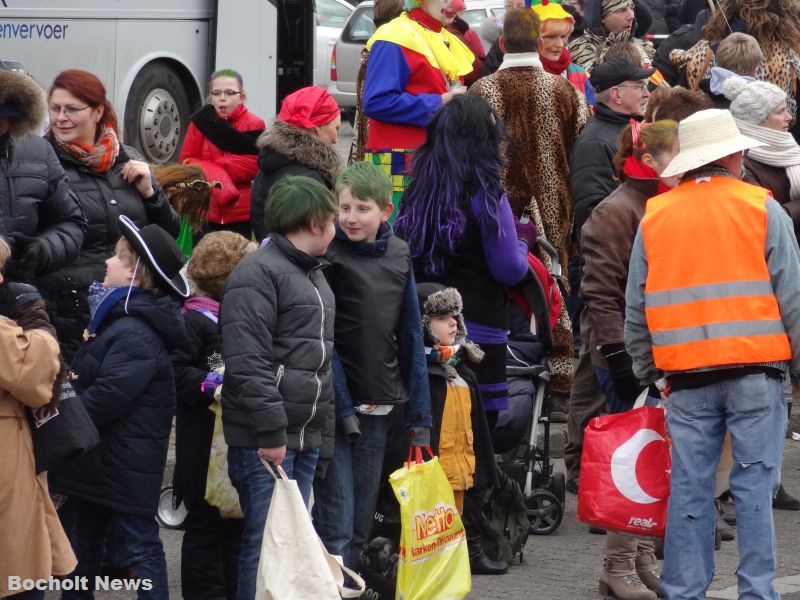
618 579
647 570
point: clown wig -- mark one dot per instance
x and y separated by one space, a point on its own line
460 159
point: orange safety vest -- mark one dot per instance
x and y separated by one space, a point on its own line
709 300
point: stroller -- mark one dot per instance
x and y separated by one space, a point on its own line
534 305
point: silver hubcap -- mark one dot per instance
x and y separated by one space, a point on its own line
160 125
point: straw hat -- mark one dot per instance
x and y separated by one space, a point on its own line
705 137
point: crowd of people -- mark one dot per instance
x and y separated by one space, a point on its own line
337 315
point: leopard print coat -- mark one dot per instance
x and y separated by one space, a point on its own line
543 114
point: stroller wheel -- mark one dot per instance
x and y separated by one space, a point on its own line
544 512
558 485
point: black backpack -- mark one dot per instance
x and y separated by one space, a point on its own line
505 516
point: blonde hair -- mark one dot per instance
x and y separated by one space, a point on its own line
5 252
739 53
147 280
552 27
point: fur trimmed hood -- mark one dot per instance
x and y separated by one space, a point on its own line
21 92
298 146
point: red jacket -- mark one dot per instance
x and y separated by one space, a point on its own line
235 172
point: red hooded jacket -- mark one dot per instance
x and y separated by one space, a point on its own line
235 172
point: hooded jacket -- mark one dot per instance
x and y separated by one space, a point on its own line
125 380
277 321
35 199
288 150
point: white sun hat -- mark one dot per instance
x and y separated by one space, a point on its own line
706 136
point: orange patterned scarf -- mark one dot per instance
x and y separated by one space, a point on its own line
100 157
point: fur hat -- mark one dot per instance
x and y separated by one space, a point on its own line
752 101
24 101
436 300
214 258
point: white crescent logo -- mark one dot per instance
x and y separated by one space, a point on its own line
623 466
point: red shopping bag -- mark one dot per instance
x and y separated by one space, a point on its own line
625 469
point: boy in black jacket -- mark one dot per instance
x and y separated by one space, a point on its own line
379 365
210 548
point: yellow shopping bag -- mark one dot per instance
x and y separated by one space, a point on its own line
433 557
219 489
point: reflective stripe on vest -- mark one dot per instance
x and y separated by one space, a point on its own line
708 297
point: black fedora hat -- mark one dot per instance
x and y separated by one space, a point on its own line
160 252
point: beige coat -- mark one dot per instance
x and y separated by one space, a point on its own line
32 541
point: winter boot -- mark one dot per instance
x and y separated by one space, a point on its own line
647 570
783 501
726 532
619 580
479 563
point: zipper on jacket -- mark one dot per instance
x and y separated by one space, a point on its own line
279 376
321 362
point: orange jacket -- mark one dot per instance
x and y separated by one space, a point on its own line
709 299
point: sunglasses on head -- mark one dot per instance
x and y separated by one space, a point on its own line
198 185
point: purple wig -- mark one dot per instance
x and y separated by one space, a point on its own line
459 160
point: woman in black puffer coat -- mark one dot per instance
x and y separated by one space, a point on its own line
110 180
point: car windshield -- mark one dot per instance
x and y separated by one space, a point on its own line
332 14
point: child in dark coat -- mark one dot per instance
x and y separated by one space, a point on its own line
124 377
210 548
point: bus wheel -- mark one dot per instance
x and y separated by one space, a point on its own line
157 113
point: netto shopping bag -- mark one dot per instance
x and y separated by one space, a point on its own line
625 469
433 557
219 489
294 563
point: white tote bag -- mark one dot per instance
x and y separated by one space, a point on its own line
294 563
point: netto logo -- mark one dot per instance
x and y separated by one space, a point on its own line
639 522
428 524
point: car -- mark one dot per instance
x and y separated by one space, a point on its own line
330 16
346 54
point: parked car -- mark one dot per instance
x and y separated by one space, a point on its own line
331 16
346 54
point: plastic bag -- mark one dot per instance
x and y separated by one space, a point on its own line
294 563
625 472
219 489
434 561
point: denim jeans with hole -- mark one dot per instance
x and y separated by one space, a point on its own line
136 537
344 508
255 485
753 409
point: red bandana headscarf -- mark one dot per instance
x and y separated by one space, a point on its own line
635 168
308 107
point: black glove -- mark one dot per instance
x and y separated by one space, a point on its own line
620 367
30 254
526 232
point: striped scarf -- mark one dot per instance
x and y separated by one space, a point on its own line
100 157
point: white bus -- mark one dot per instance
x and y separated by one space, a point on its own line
155 56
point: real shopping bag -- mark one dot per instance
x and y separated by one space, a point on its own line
294 563
433 558
625 469
219 489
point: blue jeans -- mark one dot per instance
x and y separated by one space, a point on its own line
137 537
345 500
255 484
753 409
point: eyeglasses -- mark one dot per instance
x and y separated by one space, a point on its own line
226 93
70 111
198 185
642 86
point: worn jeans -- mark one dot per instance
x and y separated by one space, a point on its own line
255 485
345 500
753 409
136 536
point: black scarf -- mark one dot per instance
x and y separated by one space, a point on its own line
223 135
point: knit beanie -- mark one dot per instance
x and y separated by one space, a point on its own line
214 258
752 102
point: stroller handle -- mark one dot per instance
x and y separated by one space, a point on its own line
551 252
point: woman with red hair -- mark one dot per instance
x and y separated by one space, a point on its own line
110 180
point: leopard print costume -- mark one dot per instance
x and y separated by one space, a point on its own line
543 114
781 67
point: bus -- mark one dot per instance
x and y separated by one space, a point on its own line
155 56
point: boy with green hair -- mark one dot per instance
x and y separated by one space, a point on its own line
277 317
379 363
